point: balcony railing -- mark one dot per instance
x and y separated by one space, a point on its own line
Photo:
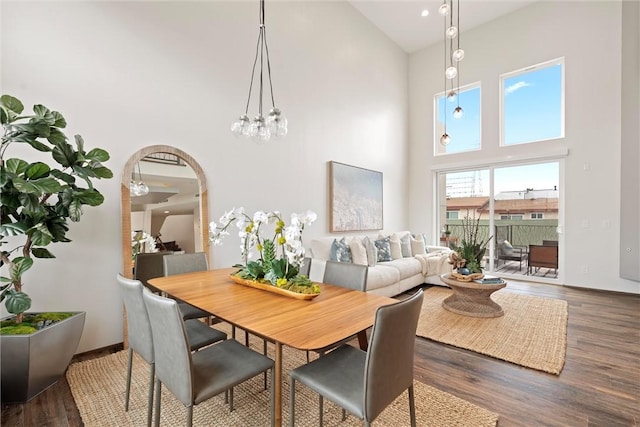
517 232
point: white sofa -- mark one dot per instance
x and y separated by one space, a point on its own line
389 278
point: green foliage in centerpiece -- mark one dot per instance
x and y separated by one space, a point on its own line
472 248
279 258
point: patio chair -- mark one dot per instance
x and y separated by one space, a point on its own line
507 252
365 383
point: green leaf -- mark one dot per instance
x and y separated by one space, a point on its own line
47 185
40 235
79 143
11 103
13 229
69 179
37 170
20 265
39 145
42 253
103 172
17 166
75 210
25 186
56 137
30 202
41 127
64 154
84 172
89 197
97 155
59 122
17 302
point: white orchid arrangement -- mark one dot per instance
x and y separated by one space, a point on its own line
138 241
278 258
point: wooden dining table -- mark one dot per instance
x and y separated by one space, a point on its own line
334 315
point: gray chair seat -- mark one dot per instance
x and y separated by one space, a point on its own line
338 376
189 311
200 335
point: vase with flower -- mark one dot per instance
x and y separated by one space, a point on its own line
279 257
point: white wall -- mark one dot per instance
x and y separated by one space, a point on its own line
588 34
180 229
131 74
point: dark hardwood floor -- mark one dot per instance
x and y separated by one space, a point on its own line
599 385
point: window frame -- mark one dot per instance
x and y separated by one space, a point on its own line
551 63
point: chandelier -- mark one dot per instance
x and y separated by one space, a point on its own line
138 188
452 60
261 129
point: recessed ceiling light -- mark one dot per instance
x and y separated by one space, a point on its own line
424 13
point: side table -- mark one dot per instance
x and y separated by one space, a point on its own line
471 298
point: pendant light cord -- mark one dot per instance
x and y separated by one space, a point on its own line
445 75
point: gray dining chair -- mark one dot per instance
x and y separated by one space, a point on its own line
196 377
139 334
365 383
150 265
187 263
345 275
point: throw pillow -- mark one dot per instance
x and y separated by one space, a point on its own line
358 251
340 251
372 251
417 246
405 246
396 249
426 243
506 248
384 249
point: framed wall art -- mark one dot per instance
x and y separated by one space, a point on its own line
355 199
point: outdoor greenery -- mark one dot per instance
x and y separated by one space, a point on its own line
37 200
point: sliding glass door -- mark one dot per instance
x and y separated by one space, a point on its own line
517 206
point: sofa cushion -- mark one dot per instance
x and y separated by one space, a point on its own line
396 250
405 245
384 249
358 251
381 276
340 251
406 267
417 245
372 251
321 248
506 248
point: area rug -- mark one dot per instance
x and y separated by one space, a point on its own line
98 387
532 332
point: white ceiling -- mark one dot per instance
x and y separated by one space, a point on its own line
402 22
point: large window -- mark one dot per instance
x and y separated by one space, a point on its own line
464 131
532 104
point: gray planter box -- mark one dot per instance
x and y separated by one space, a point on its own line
32 363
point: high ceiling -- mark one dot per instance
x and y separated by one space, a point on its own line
402 22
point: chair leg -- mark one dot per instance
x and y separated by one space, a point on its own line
344 414
189 415
292 402
128 388
152 375
233 332
231 399
321 407
412 406
307 356
264 351
156 418
246 338
272 399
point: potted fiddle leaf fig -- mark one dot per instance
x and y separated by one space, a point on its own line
37 201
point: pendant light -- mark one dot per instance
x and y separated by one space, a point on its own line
452 60
138 188
261 129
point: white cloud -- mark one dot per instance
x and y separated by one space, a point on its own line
516 86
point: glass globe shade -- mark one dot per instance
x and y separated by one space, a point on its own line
458 55
452 32
443 9
452 96
133 188
451 72
143 189
458 112
240 126
445 139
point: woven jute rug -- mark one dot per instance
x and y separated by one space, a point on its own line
532 332
98 387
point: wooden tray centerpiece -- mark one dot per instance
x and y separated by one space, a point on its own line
274 289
